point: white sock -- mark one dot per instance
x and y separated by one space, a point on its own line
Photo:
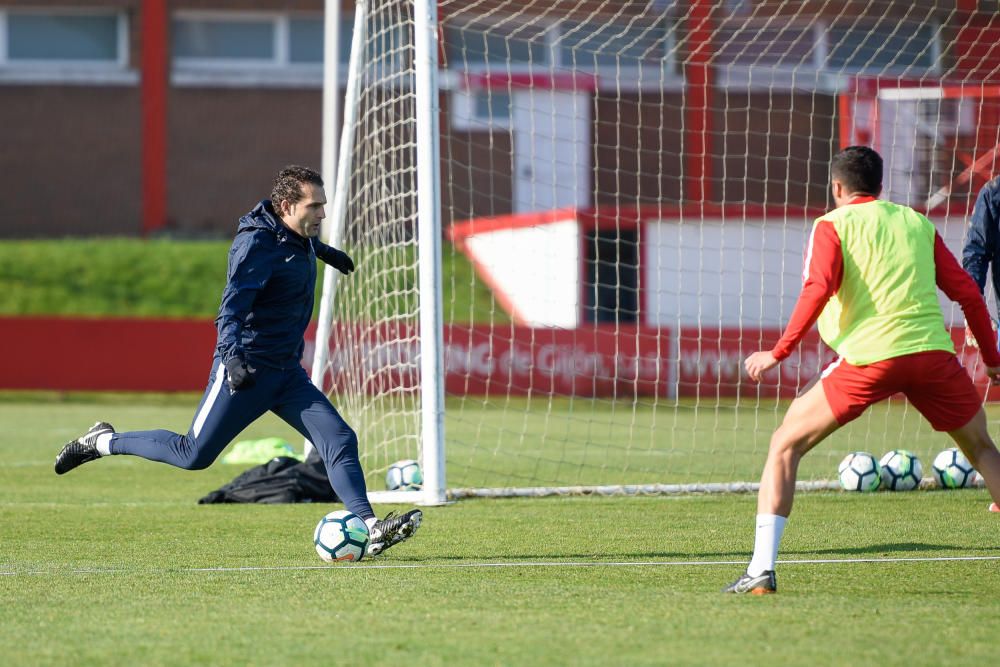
370 522
104 444
765 545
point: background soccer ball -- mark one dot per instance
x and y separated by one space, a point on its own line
341 535
404 476
859 471
953 470
901 470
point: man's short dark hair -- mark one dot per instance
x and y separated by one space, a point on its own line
289 181
859 168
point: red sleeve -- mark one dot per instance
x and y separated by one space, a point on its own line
963 290
821 277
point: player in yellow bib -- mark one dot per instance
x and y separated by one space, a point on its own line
870 279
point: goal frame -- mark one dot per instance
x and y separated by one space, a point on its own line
421 352
432 460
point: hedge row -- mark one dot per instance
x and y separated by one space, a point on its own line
164 278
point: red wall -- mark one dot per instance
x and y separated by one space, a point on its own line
67 354
105 354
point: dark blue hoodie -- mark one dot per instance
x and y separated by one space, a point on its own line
982 241
268 300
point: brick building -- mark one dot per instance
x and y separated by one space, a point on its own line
727 101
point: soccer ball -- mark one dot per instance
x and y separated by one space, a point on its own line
859 471
404 476
953 470
341 535
901 470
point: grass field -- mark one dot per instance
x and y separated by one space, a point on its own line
116 564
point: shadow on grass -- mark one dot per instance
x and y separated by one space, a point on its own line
597 558
872 550
896 547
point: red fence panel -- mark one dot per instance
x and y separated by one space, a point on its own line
107 354
124 354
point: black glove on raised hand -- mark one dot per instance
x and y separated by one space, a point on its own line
240 375
342 261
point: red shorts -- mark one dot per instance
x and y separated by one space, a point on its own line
934 382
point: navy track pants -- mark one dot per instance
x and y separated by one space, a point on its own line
223 414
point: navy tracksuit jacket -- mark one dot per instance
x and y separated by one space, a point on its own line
982 241
266 307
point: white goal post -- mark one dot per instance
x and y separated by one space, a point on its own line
573 220
423 91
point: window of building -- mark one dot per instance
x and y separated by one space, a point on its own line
510 44
787 45
53 45
611 276
626 54
305 37
596 46
897 47
482 109
223 41
492 106
271 49
817 55
53 37
734 7
250 48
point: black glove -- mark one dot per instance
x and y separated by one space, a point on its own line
240 375
341 261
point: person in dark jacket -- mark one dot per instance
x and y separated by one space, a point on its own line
266 307
982 243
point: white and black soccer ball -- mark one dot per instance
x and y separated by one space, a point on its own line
404 476
953 470
859 471
341 536
901 470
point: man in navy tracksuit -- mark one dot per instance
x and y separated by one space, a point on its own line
981 251
982 242
266 307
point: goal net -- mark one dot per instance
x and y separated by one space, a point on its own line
613 199
940 140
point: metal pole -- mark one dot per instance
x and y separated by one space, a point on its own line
429 250
155 83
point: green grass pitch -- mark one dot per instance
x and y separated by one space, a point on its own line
116 564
